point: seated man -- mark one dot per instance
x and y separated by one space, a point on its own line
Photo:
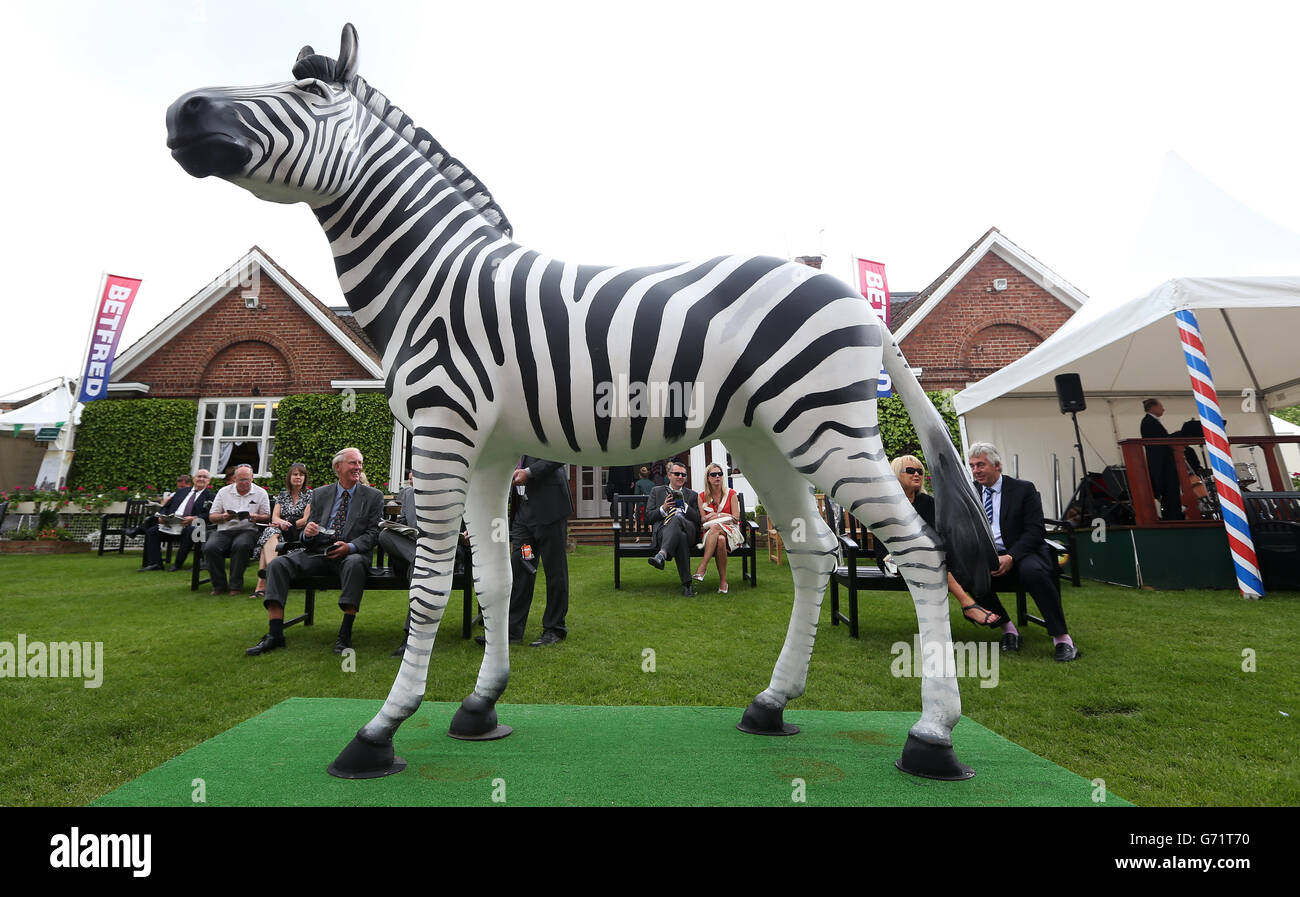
236 510
191 501
1015 513
673 512
348 515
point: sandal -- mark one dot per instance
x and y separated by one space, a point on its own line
260 593
722 591
698 577
991 619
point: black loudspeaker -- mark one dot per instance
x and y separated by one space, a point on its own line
1069 392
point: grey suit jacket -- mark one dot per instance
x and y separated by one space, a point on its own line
654 514
364 513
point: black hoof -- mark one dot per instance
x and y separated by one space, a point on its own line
760 720
476 720
932 761
366 760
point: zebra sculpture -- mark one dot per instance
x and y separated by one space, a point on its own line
492 350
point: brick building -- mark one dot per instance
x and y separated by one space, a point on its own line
995 303
248 339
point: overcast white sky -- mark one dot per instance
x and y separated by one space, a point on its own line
647 133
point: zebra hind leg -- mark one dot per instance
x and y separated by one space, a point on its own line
810 546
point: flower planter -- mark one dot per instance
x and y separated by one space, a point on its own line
29 507
36 546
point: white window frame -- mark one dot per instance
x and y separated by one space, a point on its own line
264 456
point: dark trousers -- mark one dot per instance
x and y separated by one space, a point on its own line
351 571
675 539
1034 573
1169 494
400 551
236 543
549 542
153 539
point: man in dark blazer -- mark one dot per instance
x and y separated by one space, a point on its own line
349 513
1160 463
1015 514
191 501
675 523
539 530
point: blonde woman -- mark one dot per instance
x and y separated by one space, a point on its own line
911 476
720 522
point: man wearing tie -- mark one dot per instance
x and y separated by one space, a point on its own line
349 514
1015 512
190 501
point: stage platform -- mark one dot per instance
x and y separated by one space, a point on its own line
598 756
1183 556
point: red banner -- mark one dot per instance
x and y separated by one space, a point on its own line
110 318
873 285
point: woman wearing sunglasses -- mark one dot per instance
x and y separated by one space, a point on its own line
718 517
911 476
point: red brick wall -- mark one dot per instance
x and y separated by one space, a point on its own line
973 332
276 347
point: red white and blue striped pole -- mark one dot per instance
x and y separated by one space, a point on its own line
1216 444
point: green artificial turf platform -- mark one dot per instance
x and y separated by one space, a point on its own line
597 756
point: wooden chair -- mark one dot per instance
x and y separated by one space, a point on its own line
118 524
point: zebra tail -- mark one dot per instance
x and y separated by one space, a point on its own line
966 537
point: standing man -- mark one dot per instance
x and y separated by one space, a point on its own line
673 512
348 513
190 501
1160 463
237 510
540 528
1015 512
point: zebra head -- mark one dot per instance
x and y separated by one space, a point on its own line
296 141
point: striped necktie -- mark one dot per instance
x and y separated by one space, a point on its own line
988 503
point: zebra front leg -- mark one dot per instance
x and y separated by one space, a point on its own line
441 463
489 537
811 549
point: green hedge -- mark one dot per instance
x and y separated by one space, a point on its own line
137 443
896 429
312 428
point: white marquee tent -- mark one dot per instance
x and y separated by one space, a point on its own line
1126 352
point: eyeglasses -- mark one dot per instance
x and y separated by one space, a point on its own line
716 473
914 470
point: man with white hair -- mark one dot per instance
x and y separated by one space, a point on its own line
1015 512
236 511
340 535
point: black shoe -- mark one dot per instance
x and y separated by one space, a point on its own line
342 643
174 567
481 641
1010 642
687 591
134 532
151 567
657 561
549 637
268 643
1066 652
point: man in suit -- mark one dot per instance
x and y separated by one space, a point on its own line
191 501
673 512
1160 463
540 530
1015 513
348 513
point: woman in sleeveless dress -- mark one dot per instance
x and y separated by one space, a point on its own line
720 523
289 516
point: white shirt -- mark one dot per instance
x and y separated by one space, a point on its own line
997 514
229 500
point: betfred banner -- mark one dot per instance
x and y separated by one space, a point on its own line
872 284
110 319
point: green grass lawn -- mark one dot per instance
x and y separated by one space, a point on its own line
1159 706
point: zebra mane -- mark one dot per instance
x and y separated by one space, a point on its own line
312 65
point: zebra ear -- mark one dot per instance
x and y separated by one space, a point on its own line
304 53
347 62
